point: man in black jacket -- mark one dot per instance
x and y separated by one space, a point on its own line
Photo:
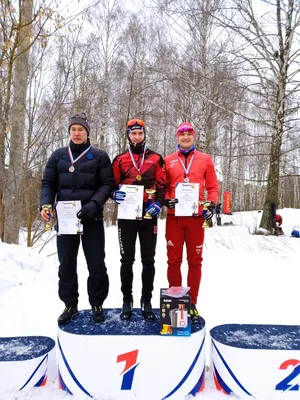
79 172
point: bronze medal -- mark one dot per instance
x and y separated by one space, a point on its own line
139 177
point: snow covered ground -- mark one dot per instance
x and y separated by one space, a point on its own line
246 279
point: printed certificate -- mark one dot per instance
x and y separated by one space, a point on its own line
188 199
132 206
68 223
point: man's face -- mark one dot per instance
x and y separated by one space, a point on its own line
78 134
137 136
186 140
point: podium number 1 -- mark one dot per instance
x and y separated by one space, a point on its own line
129 369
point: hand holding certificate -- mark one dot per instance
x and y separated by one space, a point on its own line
188 199
68 223
132 206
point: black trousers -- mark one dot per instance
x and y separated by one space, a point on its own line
93 247
147 232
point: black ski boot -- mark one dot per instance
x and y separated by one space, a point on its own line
147 311
126 311
98 314
67 315
195 317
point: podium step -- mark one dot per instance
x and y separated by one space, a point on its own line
82 324
24 361
129 359
256 360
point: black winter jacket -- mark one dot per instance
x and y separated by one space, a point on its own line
92 179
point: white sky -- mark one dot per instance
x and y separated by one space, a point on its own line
246 279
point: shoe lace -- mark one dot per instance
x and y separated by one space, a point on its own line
194 311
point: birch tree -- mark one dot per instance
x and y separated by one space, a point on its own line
13 211
107 22
269 53
21 27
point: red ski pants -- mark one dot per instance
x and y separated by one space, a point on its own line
188 230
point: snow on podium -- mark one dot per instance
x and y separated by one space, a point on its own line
129 360
24 362
259 361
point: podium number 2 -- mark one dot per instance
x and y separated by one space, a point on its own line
289 383
129 369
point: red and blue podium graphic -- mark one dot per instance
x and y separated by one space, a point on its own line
260 361
24 362
129 360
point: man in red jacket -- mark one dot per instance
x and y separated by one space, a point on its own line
139 165
187 165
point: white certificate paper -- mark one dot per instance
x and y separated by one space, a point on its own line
68 223
188 199
132 206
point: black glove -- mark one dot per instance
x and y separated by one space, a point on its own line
209 212
88 210
170 203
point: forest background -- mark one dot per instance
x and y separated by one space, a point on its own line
231 67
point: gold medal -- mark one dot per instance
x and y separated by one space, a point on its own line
139 176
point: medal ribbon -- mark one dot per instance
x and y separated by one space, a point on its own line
133 161
79 157
186 170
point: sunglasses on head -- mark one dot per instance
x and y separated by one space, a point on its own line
185 129
81 115
132 122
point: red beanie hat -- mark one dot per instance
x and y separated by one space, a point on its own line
185 127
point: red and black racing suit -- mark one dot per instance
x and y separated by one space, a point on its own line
153 176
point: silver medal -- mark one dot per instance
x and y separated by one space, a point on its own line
186 180
72 168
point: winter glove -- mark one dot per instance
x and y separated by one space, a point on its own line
170 203
154 209
119 196
209 212
88 210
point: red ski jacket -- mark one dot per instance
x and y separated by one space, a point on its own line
152 172
278 219
202 171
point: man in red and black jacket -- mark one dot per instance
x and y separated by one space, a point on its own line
138 166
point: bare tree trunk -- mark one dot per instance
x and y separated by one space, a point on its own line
3 135
13 189
273 182
285 43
